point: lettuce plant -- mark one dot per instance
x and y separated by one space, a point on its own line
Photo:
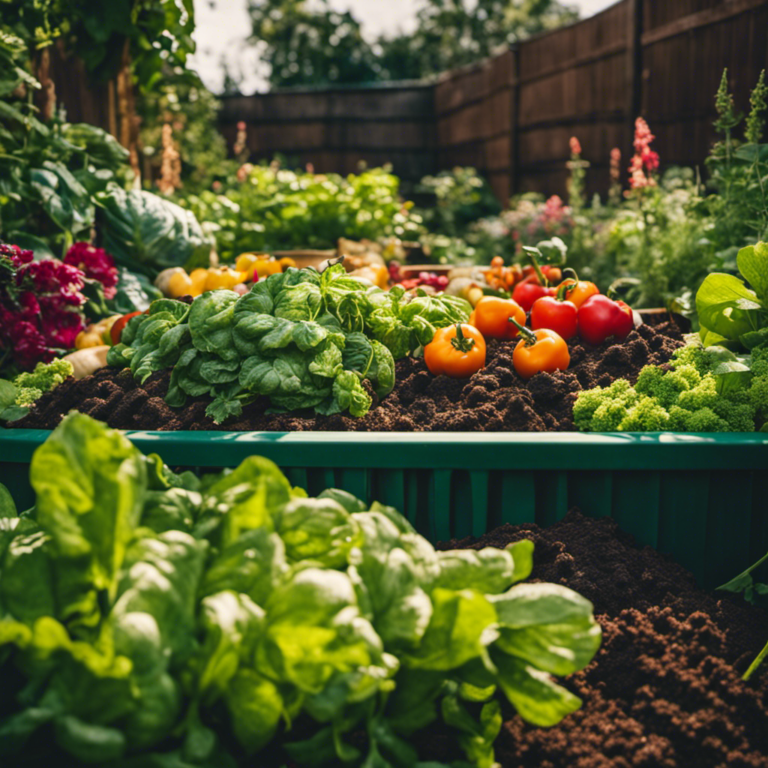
301 338
149 618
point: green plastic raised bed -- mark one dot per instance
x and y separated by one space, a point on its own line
699 497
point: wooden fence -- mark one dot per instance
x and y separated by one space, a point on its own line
511 116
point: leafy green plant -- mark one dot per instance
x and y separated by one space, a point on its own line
158 32
739 203
745 584
148 234
730 313
707 390
150 618
461 197
304 339
275 209
18 395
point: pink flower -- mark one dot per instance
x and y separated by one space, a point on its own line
244 171
16 254
61 329
650 159
575 146
96 264
615 163
643 135
645 161
50 276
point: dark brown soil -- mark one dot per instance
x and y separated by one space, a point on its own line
495 399
664 691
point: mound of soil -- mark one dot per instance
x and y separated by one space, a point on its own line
664 691
495 399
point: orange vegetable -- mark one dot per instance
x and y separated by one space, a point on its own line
199 278
575 290
179 284
540 351
266 266
223 277
457 351
116 331
493 317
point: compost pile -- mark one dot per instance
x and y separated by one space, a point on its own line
495 399
664 691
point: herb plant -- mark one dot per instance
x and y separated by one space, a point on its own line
149 618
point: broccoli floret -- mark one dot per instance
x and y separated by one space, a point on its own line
678 419
692 355
46 376
647 415
669 386
759 364
26 396
608 416
703 395
649 380
601 409
705 420
739 417
758 396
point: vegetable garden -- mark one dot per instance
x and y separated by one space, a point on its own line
295 472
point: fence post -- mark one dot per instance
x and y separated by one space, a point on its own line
634 90
514 149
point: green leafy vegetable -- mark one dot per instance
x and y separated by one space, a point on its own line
729 309
146 233
148 618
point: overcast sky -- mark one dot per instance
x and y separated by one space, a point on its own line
223 25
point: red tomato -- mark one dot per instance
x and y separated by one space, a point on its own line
526 292
117 327
601 317
559 316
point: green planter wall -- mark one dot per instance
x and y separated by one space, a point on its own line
701 498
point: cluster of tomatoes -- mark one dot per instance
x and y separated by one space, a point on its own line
556 315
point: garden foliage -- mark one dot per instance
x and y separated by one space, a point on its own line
149 618
304 339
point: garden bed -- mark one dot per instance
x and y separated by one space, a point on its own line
664 691
495 399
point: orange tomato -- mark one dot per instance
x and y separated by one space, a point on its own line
457 351
492 314
540 351
577 291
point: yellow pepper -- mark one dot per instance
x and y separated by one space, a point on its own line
287 262
179 284
266 266
199 278
246 262
223 277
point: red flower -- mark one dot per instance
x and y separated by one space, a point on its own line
96 264
575 146
17 256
